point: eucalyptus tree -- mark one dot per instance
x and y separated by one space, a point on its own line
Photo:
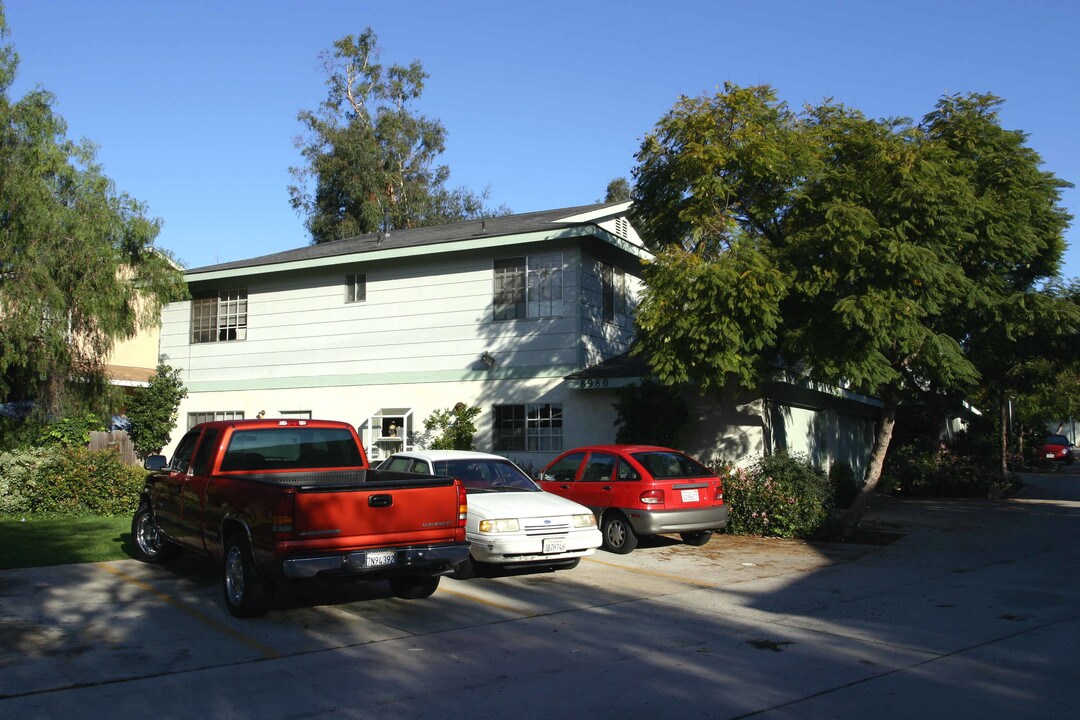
78 265
370 160
867 253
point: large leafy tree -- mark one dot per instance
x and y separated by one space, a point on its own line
370 159
867 253
78 266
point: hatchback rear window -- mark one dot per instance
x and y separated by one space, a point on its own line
664 465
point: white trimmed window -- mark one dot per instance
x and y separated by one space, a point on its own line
356 288
533 427
219 317
613 292
528 287
195 418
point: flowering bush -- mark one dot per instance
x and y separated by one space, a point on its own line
778 496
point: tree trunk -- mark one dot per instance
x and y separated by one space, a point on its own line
1004 436
851 517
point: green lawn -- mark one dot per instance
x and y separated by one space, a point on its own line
35 542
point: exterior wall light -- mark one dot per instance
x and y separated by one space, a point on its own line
487 360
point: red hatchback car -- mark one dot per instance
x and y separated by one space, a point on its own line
1057 447
640 490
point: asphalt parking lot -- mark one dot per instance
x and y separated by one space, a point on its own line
969 610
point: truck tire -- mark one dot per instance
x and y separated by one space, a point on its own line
150 545
414 587
697 538
619 537
246 594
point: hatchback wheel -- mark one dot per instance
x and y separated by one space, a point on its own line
619 537
698 537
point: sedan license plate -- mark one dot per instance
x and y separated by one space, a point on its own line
378 558
554 545
690 495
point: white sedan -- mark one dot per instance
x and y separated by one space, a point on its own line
511 520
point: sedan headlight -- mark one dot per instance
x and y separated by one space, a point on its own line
498 526
584 521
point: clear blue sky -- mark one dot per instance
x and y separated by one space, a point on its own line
194 104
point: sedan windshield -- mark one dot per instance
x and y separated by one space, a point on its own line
663 465
481 475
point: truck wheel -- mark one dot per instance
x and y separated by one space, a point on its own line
619 537
150 545
246 594
413 587
696 538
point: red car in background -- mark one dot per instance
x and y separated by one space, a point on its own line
640 490
1057 447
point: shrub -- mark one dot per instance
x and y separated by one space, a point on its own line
71 431
844 485
61 480
778 496
450 429
915 473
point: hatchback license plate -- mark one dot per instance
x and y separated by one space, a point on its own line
554 545
690 495
1049 456
380 558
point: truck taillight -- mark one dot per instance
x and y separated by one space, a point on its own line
719 495
653 497
282 518
463 505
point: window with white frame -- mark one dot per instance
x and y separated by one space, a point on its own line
533 427
219 317
613 292
528 287
356 288
194 418
294 414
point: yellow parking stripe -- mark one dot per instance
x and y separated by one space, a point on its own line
654 573
489 603
267 652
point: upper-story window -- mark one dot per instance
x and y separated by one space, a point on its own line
613 291
528 287
356 288
219 317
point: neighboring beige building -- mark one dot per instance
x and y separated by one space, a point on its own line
132 362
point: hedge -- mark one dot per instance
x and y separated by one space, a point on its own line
59 480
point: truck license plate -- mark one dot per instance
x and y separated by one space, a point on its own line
690 495
378 558
554 545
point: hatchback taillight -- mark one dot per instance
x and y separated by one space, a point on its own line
283 514
719 494
652 497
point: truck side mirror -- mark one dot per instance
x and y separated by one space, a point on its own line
154 462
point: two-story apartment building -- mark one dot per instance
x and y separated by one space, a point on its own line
528 317
381 330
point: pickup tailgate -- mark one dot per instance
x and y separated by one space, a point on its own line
386 510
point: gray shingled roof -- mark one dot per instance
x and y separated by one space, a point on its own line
493 227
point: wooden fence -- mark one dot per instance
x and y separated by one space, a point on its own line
117 439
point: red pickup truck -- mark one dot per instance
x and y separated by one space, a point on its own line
276 500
